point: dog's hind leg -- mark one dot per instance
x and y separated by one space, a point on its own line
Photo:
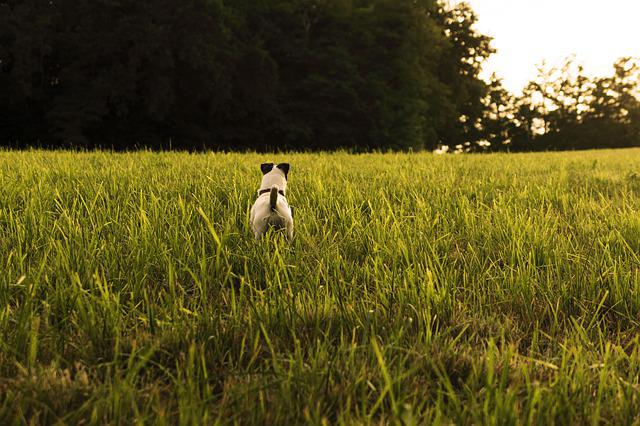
259 229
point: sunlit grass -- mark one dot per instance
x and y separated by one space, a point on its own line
418 288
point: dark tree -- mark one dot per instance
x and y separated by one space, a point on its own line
286 74
458 70
240 74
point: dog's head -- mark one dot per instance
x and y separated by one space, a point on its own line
274 175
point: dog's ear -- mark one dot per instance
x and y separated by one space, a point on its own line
266 167
285 168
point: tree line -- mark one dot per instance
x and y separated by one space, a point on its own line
285 74
563 108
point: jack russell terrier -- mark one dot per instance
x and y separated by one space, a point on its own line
271 208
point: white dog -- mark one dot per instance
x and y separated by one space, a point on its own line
271 208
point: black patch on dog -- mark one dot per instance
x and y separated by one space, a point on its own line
285 168
266 167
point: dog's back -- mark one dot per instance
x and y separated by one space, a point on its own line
269 211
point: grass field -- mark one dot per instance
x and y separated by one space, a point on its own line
494 289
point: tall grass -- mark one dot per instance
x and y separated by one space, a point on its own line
418 289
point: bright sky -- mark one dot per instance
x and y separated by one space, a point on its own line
526 32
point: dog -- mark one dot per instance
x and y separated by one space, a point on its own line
271 209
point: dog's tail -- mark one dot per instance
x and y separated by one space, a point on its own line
273 197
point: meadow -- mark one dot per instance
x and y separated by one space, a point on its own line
486 289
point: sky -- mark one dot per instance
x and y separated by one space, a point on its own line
526 32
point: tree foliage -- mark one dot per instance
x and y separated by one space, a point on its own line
259 74
563 108
286 74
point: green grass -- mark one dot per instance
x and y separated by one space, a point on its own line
494 289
